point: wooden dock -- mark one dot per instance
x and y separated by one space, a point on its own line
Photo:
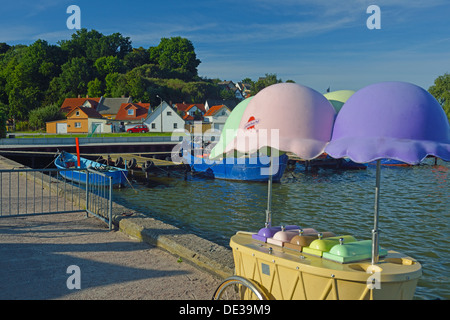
135 161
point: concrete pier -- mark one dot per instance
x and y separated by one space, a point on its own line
143 258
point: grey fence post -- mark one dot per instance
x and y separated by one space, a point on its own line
110 204
87 193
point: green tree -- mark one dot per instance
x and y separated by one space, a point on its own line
28 77
176 54
73 79
151 71
93 45
4 47
136 58
116 85
8 63
3 119
107 65
226 94
441 91
266 81
198 92
22 100
95 88
116 45
247 81
136 85
38 117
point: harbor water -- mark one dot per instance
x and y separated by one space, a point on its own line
414 209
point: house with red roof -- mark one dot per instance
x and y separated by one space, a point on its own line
107 107
216 116
133 111
70 103
164 119
131 114
190 112
80 120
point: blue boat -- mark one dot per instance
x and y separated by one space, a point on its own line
66 161
244 168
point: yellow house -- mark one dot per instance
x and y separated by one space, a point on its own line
79 120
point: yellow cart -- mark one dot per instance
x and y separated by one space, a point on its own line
266 271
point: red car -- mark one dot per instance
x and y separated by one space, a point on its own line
139 128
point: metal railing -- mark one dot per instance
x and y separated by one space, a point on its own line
99 195
25 192
70 141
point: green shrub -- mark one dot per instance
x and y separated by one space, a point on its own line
38 117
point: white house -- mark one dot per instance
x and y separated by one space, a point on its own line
164 119
231 86
216 116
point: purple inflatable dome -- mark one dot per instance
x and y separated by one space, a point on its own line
393 120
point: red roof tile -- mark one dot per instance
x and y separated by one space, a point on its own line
213 110
90 112
184 107
70 103
141 111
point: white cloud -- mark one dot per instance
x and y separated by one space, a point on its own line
16 34
55 36
151 33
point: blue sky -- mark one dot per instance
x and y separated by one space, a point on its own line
317 43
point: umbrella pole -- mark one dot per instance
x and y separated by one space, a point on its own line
269 197
375 231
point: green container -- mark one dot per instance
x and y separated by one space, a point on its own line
352 252
319 246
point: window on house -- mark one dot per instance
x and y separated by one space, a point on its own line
77 113
130 112
175 125
77 124
153 126
169 113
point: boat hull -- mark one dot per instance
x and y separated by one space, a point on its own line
244 169
67 160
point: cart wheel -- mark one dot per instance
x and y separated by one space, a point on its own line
238 288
